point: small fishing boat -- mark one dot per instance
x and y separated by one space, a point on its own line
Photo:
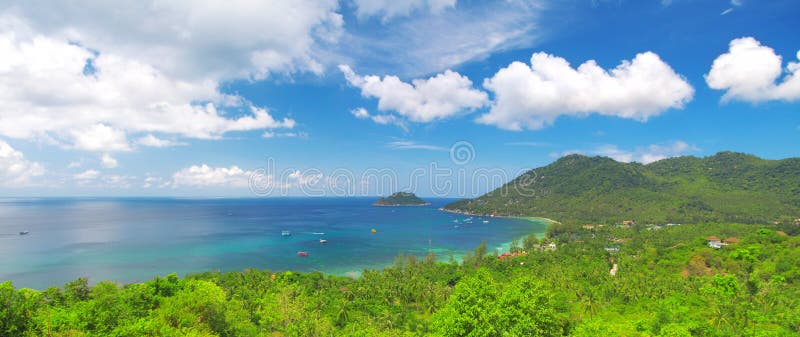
286 233
24 233
323 241
485 221
302 254
374 231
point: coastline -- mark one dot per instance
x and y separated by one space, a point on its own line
529 218
399 205
506 246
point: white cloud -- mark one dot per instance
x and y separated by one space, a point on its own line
99 137
108 161
749 71
118 181
641 154
270 134
53 88
15 170
205 175
87 175
202 39
153 141
385 119
425 43
388 9
151 181
360 113
532 97
410 145
297 178
423 100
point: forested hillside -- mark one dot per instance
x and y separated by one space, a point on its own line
725 187
666 282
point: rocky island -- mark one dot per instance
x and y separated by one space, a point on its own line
401 199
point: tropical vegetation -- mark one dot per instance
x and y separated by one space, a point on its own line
667 281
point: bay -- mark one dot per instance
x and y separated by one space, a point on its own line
133 239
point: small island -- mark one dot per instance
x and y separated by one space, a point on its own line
401 199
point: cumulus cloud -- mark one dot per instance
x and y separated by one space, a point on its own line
153 141
204 175
87 175
108 161
15 170
423 100
642 154
749 71
534 96
362 113
202 39
388 9
99 137
54 88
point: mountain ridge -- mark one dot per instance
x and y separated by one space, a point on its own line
728 186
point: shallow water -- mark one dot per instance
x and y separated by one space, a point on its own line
133 239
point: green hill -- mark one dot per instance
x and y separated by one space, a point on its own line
728 186
401 199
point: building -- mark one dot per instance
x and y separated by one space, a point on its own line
730 240
717 243
714 242
611 248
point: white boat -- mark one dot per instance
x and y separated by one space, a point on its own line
485 221
24 233
286 233
323 241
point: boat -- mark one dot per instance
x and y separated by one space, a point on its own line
24 233
485 221
318 233
323 241
286 233
302 254
374 231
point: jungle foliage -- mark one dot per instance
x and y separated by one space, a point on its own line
668 283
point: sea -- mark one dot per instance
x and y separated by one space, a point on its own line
128 240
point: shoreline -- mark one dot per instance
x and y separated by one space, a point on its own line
506 246
529 218
399 205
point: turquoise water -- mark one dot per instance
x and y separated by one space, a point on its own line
134 239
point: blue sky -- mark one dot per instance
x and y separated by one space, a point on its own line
318 97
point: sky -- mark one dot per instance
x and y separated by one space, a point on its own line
367 97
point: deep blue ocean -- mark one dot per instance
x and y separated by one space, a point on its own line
133 239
